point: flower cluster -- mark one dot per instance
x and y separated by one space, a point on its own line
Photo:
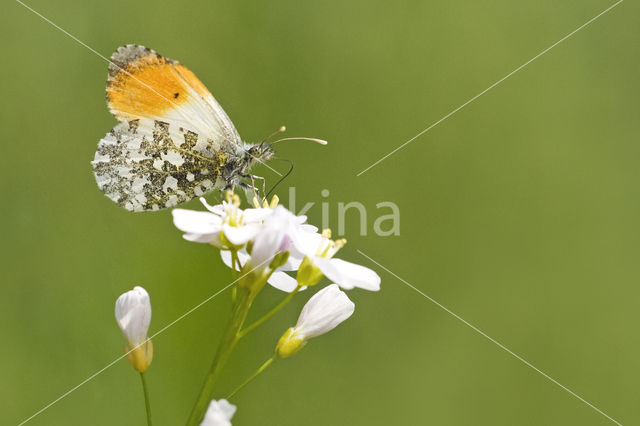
263 244
268 239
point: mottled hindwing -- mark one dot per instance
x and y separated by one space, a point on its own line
174 137
150 164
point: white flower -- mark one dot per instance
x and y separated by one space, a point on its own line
274 237
223 225
278 279
319 250
219 413
321 314
133 314
270 230
269 250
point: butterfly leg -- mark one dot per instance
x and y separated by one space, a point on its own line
230 186
253 178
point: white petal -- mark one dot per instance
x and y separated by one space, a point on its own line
226 258
218 209
293 261
219 413
133 313
323 312
204 238
348 275
194 222
308 228
274 236
243 257
255 215
307 242
283 282
226 408
239 235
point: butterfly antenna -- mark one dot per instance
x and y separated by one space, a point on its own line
282 178
281 129
316 140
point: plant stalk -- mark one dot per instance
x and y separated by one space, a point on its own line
147 404
269 314
256 373
241 308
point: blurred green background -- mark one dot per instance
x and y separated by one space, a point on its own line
521 212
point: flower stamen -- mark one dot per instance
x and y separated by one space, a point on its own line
265 204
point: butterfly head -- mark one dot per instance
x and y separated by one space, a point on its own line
258 154
244 158
252 154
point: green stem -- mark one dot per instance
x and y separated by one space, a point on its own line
269 314
235 274
254 375
147 405
235 261
244 300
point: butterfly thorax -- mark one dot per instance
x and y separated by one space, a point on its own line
238 166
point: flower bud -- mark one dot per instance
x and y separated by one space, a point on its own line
290 343
133 314
141 356
308 273
321 314
279 260
219 413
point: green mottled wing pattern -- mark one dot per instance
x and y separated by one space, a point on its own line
149 165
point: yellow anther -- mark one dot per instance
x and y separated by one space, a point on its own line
256 203
326 233
274 202
338 244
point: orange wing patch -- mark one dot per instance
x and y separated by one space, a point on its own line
193 81
143 84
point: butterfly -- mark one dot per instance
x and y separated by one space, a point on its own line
174 141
